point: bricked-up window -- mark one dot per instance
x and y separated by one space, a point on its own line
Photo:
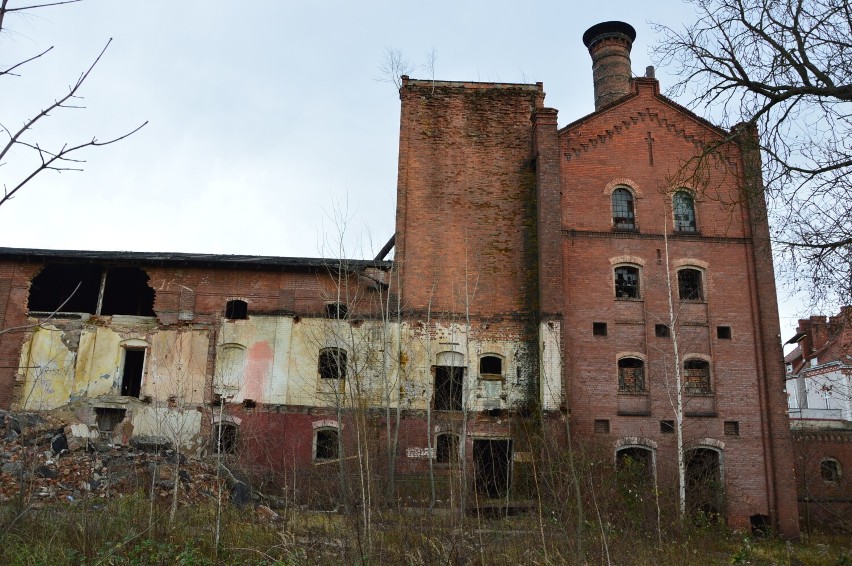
684 212
667 427
601 426
326 444
449 381
447 448
723 332
599 328
627 282
236 310
829 470
661 331
631 375
336 310
332 363
623 217
689 285
491 367
732 428
225 438
696 374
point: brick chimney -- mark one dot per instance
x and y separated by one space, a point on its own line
609 45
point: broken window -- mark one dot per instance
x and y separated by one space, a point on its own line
446 448
661 331
225 438
829 470
236 309
490 367
131 372
448 388
627 282
599 329
696 374
689 285
91 289
684 212
332 363
336 310
326 444
622 210
631 375
109 418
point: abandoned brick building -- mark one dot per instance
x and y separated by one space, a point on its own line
539 273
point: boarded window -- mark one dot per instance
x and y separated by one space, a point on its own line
225 438
326 445
332 363
689 285
631 375
622 210
696 375
490 367
627 282
449 381
236 310
447 448
684 212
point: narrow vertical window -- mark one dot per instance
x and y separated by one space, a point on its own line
325 445
623 217
131 372
684 212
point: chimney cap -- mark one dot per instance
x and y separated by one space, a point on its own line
607 29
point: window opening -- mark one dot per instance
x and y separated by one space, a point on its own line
684 212
697 376
326 444
601 426
667 427
661 331
446 448
635 463
492 466
236 310
627 282
623 217
109 418
116 290
829 470
689 285
631 375
723 332
225 438
490 367
599 329
332 363
336 310
448 388
126 291
131 374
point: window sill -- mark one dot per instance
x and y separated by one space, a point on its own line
630 299
633 393
490 377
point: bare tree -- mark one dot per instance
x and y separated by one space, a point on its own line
782 67
65 156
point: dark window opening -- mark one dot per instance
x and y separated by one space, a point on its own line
635 463
492 461
447 449
599 329
760 525
689 285
491 366
631 375
704 490
336 310
127 292
109 418
225 438
723 332
732 428
249 404
667 427
623 217
131 374
601 426
627 282
236 310
829 470
684 212
332 363
697 376
449 381
661 331
326 445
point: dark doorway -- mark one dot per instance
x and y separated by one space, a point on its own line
703 484
131 374
492 460
449 381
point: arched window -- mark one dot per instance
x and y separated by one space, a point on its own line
696 375
490 367
336 310
326 444
446 448
689 285
704 487
684 212
332 363
236 309
623 217
829 470
626 282
631 375
225 438
635 462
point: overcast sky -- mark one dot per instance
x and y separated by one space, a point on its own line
264 116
